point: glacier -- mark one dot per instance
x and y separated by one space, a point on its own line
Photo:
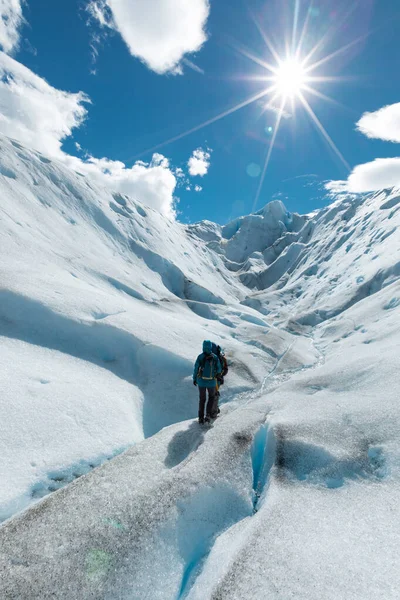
110 489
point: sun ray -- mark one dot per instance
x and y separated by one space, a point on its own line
347 46
332 31
295 24
269 154
221 115
253 78
328 79
322 96
337 53
323 132
293 104
304 30
256 59
265 38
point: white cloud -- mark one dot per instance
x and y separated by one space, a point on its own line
152 183
98 11
377 175
198 188
41 117
336 187
34 112
10 22
384 124
160 32
369 177
199 162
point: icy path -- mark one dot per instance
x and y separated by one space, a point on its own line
100 536
163 502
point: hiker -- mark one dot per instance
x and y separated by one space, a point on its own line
206 370
217 350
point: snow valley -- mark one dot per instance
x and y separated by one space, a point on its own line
104 304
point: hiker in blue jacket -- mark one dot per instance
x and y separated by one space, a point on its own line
206 370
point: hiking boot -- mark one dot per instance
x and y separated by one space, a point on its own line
201 420
207 419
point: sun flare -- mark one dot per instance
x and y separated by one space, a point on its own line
290 78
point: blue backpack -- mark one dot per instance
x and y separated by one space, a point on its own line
208 367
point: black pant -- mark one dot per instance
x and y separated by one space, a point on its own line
212 404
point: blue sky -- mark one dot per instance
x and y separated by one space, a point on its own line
135 110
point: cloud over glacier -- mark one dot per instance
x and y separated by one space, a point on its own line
33 111
41 116
373 176
10 22
159 33
383 124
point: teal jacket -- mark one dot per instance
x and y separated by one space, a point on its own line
216 367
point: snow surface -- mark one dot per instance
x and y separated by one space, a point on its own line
104 304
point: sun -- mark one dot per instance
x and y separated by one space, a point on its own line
290 78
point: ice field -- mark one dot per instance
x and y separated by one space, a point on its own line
109 488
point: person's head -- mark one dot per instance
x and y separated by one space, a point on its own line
207 347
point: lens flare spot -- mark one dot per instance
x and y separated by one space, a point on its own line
98 564
314 11
253 170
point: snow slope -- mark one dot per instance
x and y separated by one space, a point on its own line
294 493
104 305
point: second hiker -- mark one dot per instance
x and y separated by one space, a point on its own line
217 350
206 370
